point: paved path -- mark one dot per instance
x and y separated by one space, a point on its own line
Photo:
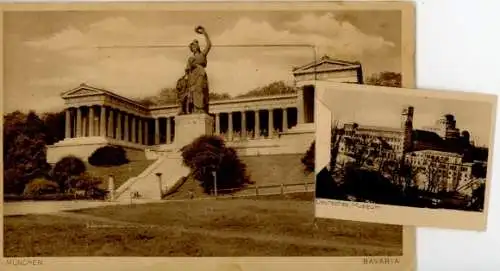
49 207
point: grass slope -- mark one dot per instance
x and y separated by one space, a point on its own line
276 169
228 227
263 170
122 173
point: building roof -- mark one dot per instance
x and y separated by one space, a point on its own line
87 90
358 127
326 64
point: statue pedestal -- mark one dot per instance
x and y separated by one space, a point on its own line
189 127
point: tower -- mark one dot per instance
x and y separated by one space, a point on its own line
407 126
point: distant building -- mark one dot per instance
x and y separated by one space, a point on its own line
391 141
439 153
446 169
445 127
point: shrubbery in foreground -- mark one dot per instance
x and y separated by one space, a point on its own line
65 169
40 186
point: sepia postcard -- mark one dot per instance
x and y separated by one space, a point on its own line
178 136
404 156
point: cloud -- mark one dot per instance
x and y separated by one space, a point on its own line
66 38
73 57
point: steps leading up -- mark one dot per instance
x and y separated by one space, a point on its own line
147 184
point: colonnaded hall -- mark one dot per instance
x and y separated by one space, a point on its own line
266 125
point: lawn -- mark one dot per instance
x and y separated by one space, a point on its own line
121 173
223 227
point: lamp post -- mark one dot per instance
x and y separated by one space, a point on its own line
214 174
158 174
111 187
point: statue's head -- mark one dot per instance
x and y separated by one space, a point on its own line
194 46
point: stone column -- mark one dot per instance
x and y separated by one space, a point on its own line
67 132
111 124
285 120
243 124
133 129
230 125
139 130
146 132
84 124
257 124
300 105
102 122
217 123
91 121
169 131
118 125
79 122
157 131
126 136
270 123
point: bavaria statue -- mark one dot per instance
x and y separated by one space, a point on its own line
192 88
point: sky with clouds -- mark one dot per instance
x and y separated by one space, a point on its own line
384 109
49 52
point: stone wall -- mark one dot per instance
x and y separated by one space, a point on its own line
83 150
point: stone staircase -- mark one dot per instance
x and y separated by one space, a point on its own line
146 186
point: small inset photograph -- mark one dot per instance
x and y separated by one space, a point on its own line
413 157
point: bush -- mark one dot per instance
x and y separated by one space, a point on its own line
88 184
308 158
39 187
66 168
370 185
208 154
108 156
326 187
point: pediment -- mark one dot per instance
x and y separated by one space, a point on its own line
325 64
82 90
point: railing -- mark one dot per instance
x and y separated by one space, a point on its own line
275 189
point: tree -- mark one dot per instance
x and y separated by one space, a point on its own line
212 96
109 156
326 187
308 158
478 170
65 169
54 127
477 201
209 154
24 152
388 79
433 175
274 88
168 96
364 149
165 96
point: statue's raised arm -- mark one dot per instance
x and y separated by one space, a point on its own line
201 30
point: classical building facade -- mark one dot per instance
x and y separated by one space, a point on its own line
96 117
